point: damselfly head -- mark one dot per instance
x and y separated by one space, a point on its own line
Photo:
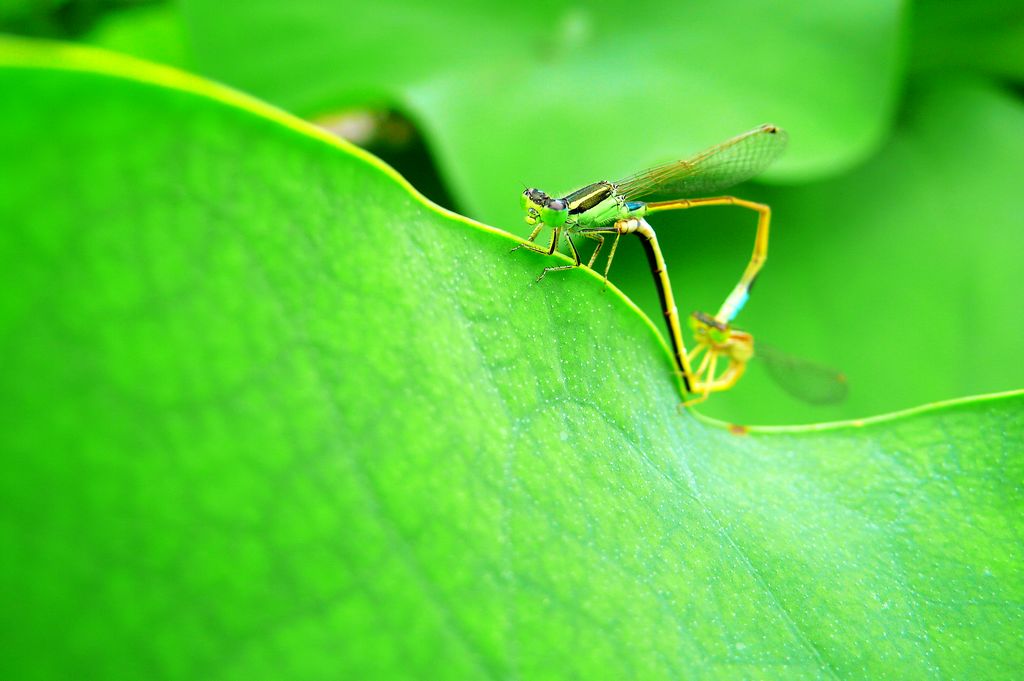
532 201
709 331
540 207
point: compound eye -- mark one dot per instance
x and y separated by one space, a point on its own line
556 204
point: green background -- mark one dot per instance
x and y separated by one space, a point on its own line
270 414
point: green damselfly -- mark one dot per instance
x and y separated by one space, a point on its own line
605 208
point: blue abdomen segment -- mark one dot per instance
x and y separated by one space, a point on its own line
740 302
635 209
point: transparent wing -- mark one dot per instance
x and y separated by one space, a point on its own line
805 380
712 170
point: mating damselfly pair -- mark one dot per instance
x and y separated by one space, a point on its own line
614 208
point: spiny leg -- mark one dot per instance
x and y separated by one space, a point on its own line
600 242
572 245
704 387
730 376
698 374
533 235
700 347
537 249
593 233
738 297
611 256
575 257
740 350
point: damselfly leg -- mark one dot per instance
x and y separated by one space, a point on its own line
714 339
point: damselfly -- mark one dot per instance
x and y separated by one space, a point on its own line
608 208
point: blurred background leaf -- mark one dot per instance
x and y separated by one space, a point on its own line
69 19
149 31
558 95
985 36
270 415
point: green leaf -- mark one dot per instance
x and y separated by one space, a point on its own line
559 96
985 36
153 32
268 414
